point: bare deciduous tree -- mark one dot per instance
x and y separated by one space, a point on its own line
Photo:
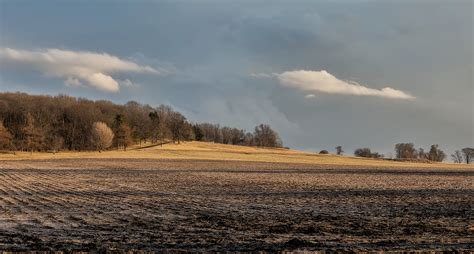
102 136
468 154
457 156
249 139
226 135
339 150
198 134
422 154
211 132
123 133
177 124
161 123
406 151
138 117
5 138
435 154
34 136
265 136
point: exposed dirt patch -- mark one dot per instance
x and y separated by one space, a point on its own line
240 206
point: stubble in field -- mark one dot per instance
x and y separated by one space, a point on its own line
212 205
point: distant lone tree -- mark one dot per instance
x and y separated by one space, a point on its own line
468 154
339 150
323 152
5 138
435 154
457 156
367 153
102 136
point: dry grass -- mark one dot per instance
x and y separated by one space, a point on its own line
220 152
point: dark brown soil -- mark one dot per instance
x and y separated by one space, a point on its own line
152 205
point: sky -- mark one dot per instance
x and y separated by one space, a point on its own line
354 73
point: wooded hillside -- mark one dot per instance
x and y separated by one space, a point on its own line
43 123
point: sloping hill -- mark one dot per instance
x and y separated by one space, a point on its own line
220 152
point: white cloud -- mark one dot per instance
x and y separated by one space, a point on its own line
94 69
323 81
102 82
310 96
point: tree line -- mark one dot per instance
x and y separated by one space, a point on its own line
408 152
53 123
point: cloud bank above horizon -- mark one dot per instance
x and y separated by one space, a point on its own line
75 67
325 82
204 52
